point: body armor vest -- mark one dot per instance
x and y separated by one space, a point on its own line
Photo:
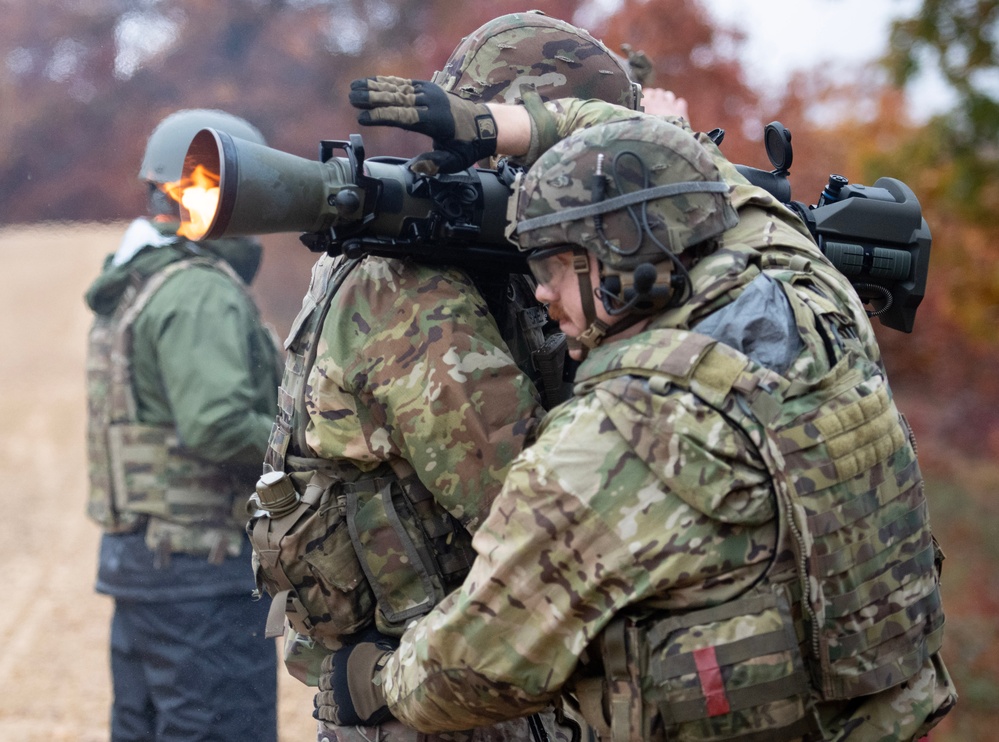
850 605
339 548
140 476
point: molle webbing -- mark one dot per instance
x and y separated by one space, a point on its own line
149 473
102 506
361 547
850 496
732 671
288 431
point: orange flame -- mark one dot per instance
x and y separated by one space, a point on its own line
198 194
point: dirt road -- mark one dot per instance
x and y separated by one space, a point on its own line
53 628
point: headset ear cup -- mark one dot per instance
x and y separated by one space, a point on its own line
610 292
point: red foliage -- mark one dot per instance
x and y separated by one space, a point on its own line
696 60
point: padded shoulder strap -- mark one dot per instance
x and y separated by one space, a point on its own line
689 360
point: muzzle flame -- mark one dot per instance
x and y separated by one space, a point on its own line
198 196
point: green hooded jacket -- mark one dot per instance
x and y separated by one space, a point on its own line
204 364
202 360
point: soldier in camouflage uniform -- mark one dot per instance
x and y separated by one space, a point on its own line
724 534
182 383
401 408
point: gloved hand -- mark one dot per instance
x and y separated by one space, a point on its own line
463 132
641 67
348 695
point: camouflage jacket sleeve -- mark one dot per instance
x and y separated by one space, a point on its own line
203 362
411 367
571 114
582 530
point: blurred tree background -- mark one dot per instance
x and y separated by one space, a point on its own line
83 82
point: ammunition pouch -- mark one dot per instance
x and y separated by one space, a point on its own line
305 561
731 671
352 553
412 550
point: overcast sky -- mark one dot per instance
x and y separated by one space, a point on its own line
784 35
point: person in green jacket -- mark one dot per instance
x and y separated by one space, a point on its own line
182 382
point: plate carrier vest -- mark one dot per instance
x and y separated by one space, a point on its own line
140 475
338 548
850 605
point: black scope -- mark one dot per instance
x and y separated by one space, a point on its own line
875 235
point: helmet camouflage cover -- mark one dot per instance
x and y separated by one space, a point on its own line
662 192
559 59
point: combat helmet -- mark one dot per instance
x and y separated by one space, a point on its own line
166 147
557 58
634 193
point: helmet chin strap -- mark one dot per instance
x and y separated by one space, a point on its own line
596 329
591 337
645 300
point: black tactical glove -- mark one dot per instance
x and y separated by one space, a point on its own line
348 695
463 132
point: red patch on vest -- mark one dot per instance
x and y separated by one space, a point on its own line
709 673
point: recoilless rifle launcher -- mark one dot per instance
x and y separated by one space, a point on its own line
358 206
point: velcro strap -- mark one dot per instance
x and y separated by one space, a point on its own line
741 698
726 654
619 202
716 374
275 615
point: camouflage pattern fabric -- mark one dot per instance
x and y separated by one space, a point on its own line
585 529
515 730
411 385
849 492
490 66
101 505
561 184
638 503
441 393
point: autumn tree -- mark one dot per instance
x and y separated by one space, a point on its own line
698 61
84 83
959 41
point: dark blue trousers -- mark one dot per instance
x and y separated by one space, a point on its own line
193 671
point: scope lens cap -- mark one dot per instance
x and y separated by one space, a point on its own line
777 139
